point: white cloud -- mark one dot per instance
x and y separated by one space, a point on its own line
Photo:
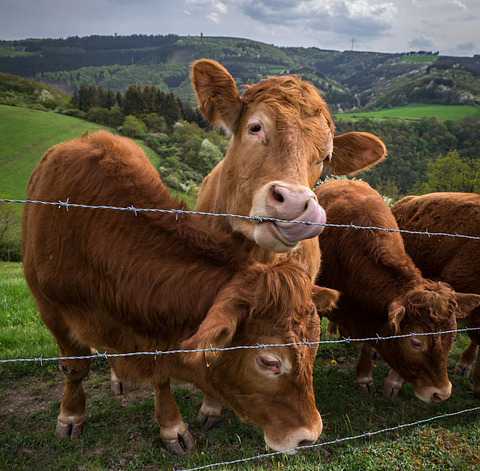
460 4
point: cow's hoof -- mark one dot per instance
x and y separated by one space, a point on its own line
389 391
462 370
119 387
208 421
181 445
368 388
69 430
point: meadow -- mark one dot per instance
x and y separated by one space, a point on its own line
26 134
416 111
121 433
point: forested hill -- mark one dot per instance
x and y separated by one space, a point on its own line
350 80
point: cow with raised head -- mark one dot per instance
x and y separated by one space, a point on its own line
282 142
126 282
453 260
383 293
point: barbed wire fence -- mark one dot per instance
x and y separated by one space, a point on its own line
180 212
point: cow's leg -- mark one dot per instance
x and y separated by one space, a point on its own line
476 376
72 409
332 330
464 364
392 384
117 385
364 377
210 413
173 430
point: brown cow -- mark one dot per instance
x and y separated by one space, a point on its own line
384 293
124 283
455 261
282 142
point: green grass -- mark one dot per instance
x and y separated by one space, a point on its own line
416 111
426 58
121 433
25 135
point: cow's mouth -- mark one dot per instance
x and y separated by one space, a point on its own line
309 224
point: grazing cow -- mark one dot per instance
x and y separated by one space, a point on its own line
282 142
127 282
455 261
384 293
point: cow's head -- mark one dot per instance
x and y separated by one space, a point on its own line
272 386
422 360
282 142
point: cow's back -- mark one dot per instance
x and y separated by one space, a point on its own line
115 271
355 258
454 260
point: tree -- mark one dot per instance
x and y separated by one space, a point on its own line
133 127
451 173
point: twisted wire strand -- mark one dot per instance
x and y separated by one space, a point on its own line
212 349
178 212
334 442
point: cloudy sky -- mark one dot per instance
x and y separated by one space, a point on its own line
448 26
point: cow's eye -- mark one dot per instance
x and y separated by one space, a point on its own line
415 343
255 128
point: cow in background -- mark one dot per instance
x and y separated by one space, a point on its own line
282 141
453 260
383 293
126 282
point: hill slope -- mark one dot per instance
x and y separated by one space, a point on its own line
25 135
349 79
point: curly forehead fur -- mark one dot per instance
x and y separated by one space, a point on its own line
439 298
289 93
282 294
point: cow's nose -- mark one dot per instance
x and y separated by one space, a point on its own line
439 397
305 443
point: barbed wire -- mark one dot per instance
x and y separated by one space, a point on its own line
334 442
178 212
212 349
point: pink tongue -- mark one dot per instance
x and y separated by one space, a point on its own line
295 232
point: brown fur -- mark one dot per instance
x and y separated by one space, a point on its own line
383 292
123 282
455 261
295 150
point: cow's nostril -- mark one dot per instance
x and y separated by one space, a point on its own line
436 397
277 196
306 443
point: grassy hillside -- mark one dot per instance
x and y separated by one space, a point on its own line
26 134
416 111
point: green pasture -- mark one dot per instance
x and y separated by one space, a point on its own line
25 135
423 59
417 111
121 433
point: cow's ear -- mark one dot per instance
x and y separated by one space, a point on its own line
466 304
216 331
216 93
325 299
396 312
353 152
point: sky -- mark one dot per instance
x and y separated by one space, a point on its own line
451 27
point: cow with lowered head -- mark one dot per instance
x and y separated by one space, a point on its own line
126 282
384 293
453 260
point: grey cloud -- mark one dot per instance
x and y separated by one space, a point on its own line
421 43
367 18
467 47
